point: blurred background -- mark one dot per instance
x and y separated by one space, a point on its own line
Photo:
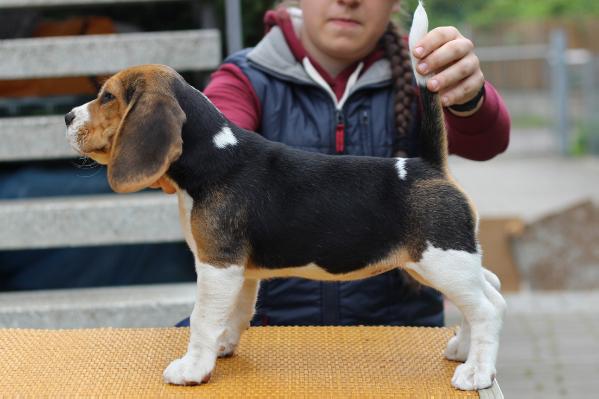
538 201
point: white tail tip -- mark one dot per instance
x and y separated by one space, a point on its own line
418 30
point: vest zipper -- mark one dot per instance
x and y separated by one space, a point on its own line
339 133
365 118
339 120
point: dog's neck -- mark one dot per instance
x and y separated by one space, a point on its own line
203 166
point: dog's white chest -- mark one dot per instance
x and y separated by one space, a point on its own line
185 208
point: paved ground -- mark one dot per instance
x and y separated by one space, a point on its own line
549 346
529 180
550 341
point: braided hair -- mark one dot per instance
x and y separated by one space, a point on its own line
397 52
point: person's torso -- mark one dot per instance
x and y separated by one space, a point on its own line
298 112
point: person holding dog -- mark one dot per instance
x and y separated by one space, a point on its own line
334 76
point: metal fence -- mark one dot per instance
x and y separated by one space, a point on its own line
569 99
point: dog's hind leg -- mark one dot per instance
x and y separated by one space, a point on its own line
492 279
459 345
460 276
216 297
240 319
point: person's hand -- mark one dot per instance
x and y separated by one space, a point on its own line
450 57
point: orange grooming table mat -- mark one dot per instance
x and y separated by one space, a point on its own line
271 362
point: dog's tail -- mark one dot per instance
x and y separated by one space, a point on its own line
433 138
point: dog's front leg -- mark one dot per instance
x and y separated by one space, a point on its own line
240 318
216 297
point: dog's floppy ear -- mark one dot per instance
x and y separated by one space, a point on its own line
147 142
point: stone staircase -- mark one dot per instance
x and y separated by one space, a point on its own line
82 221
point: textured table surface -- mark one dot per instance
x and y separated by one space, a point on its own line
289 362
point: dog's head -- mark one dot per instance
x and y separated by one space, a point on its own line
133 126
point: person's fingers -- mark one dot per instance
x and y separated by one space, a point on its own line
463 91
455 73
446 55
435 39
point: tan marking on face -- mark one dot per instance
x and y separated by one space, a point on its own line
97 134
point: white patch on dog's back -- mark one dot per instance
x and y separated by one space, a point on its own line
224 138
400 165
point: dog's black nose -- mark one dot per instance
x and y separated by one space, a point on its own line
68 118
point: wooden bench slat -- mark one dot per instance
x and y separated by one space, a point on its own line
90 220
105 54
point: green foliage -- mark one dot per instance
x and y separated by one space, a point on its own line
487 12
252 14
476 13
586 139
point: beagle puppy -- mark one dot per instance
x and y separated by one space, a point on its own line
253 209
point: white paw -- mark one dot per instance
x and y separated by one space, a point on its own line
471 377
458 347
228 341
227 347
189 370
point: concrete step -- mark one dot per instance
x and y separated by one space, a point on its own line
188 50
161 305
61 3
39 137
89 220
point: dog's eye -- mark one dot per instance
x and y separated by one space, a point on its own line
106 97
